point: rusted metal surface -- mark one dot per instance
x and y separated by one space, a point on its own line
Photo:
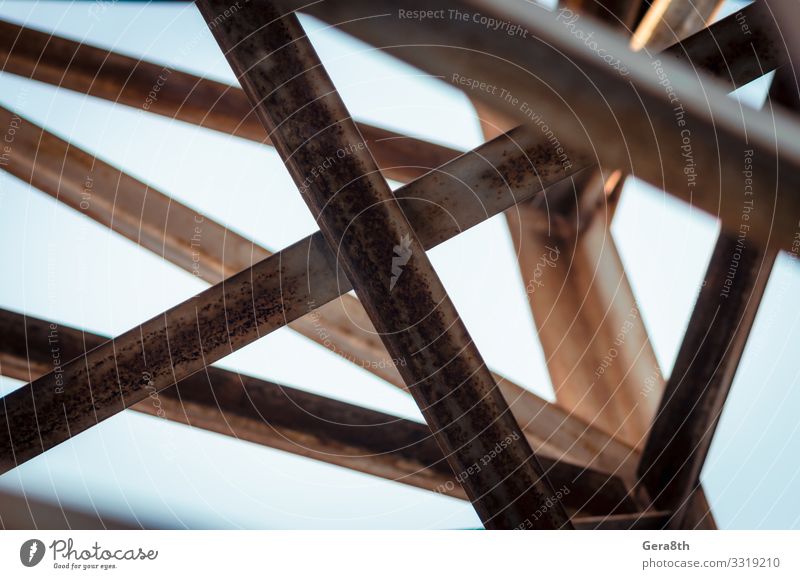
293 420
639 96
178 95
598 353
737 49
594 341
518 166
690 408
703 373
324 151
162 351
254 410
168 228
125 204
500 173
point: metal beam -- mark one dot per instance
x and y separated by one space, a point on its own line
293 420
596 346
178 95
307 281
649 107
751 34
703 373
689 411
649 521
385 262
439 205
212 252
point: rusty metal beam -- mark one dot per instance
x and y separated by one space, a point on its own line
308 281
703 373
178 95
738 49
502 171
385 262
639 95
690 408
207 249
293 420
596 346
582 302
250 409
23 512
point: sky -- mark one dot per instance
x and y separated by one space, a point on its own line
60 266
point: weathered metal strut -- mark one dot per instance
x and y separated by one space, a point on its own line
385 262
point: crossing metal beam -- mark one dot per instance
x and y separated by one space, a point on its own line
212 252
293 420
382 257
659 120
175 94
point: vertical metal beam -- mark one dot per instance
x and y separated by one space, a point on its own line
386 264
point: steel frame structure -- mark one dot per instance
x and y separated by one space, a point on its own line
627 464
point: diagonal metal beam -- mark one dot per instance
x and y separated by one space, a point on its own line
596 346
640 97
690 408
178 95
294 421
439 205
212 252
502 174
703 373
751 34
407 303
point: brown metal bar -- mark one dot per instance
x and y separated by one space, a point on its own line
251 409
502 173
178 95
704 370
207 249
292 420
596 346
639 96
751 34
324 151
594 341
25 513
